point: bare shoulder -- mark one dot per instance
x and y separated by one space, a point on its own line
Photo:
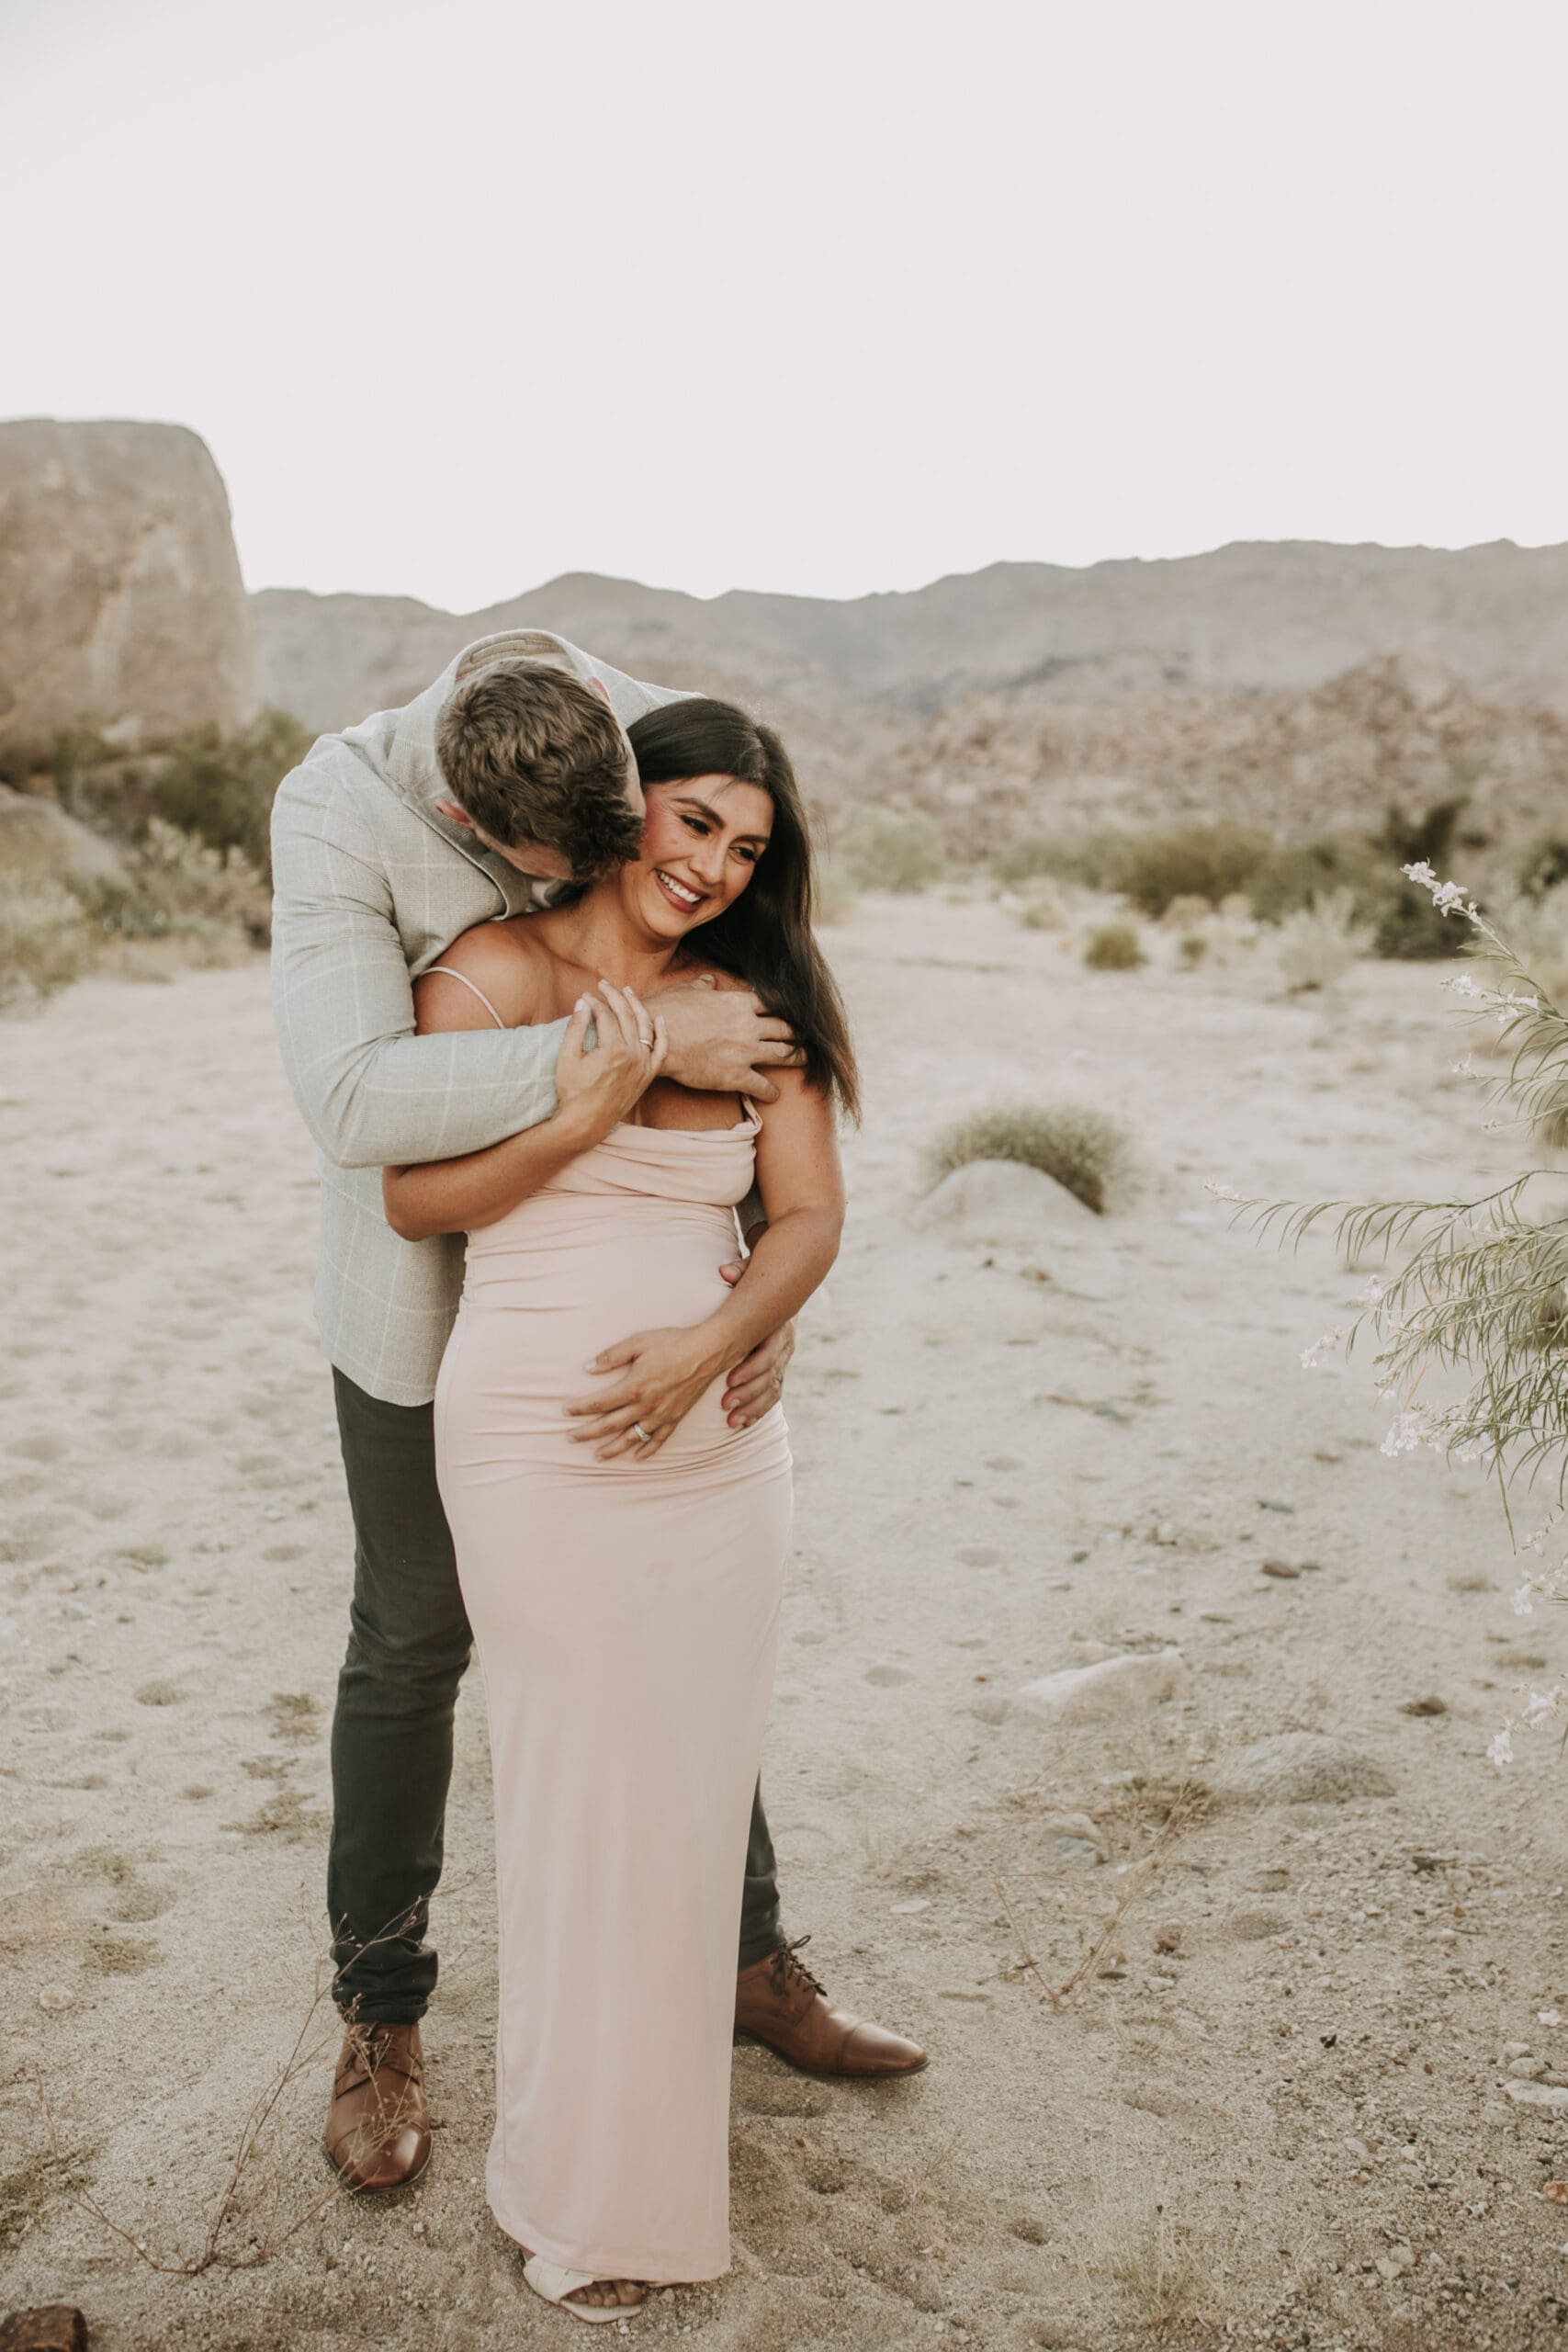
500 961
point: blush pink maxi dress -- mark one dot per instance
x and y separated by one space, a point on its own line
626 1620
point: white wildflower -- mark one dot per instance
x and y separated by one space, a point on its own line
1222 1192
1539 1707
1446 896
1370 1292
1524 1600
1500 1751
1462 985
1311 1358
1412 1431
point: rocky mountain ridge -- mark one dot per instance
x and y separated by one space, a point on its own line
1249 618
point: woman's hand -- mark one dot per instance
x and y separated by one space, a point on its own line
598 1084
662 1376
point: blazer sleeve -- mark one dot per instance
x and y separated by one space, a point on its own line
373 1093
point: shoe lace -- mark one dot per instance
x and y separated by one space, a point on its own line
788 1971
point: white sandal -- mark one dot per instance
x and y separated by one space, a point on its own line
555 2284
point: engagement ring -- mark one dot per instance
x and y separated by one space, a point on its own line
637 1430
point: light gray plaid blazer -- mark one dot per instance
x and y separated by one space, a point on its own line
372 885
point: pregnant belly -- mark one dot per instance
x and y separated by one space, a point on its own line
543 1296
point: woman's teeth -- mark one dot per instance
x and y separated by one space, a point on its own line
678 891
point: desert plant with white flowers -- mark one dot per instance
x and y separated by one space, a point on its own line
1476 1287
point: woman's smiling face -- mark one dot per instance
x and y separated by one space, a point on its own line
700 845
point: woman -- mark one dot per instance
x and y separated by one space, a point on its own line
621 1556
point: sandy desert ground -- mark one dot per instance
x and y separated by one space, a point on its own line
1278 2119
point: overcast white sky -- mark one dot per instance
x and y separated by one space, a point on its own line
816 295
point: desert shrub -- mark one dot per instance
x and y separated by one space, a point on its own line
1318 942
1207 862
892 849
1091 1152
1114 947
1091 858
221 787
187 885
1300 873
46 940
1192 946
1044 909
1400 918
1543 865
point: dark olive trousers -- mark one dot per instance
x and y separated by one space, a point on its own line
408 1645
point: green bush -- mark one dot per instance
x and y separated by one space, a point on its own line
1192 946
1398 915
1543 865
1206 862
1092 858
1114 947
221 787
1091 1152
892 849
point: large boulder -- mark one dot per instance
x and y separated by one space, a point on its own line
121 606
40 841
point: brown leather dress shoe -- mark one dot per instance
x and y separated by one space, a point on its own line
779 2003
377 2131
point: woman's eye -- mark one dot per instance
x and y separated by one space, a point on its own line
696 825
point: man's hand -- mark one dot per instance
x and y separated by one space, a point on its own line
721 1040
756 1385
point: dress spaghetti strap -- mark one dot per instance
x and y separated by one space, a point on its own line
472 990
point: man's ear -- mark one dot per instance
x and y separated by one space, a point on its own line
597 686
458 816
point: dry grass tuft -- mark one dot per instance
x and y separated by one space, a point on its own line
1167 2268
1114 947
1317 944
1090 1152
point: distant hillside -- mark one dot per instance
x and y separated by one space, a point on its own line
1260 617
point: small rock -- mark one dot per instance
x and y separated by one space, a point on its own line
1399 2258
1528 2070
1076 1837
1112 1688
1430 1705
1253 1926
51 2327
1548 2094
1516 2050
1272 1505
1280 1569
1304 1767
1167 1939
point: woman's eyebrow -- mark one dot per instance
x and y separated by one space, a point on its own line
690 800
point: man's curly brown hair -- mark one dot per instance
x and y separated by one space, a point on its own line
532 755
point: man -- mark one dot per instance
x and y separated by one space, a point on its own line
377 873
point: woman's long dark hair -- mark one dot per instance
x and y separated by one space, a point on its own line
765 936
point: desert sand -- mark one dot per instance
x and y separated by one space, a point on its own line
1274 2113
